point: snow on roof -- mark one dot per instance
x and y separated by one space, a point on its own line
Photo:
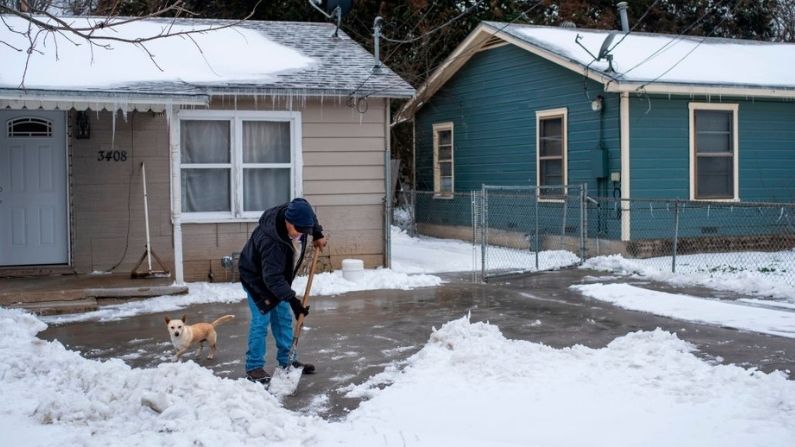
660 58
250 57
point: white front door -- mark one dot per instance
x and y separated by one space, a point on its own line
33 211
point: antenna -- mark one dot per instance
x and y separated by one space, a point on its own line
333 9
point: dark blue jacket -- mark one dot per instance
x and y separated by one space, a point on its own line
266 262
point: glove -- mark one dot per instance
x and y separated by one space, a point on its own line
298 307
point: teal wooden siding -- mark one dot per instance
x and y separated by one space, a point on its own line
491 102
660 166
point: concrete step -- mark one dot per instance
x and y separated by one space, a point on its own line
37 296
59 307
135 292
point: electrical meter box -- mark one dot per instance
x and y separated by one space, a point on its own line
599 163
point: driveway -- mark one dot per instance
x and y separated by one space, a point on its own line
353 336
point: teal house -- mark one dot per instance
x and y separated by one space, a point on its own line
633 116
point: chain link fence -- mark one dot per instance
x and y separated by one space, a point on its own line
518 229
526 229
731 245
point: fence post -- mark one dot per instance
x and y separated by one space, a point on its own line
676 236
583 222
484 235
565 218
475 220
413 208
535 237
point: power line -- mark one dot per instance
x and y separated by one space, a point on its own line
731 14
400 42
643 16
467 53
438 28
676 39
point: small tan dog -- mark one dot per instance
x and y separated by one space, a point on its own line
184 336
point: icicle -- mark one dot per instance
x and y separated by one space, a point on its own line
113 130
781 215
708 205
651 210
168 115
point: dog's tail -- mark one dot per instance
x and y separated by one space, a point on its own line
222 320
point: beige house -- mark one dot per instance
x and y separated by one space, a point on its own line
251 133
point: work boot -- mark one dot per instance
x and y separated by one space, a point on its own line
258 375
308 367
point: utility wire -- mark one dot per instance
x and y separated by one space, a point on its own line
423 75
676 39
438 28
648 10
730 14
400 42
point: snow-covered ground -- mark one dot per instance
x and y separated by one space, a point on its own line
753 273
690 308
469 386
424 254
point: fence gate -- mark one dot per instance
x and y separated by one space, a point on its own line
524 229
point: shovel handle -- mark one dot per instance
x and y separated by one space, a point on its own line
300 323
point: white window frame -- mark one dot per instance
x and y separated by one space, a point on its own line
735 109
236 118
437 181
562 112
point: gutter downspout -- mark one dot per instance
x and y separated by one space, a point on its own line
625 160
388 188
176 191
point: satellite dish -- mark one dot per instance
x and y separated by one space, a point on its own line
606 45
329 6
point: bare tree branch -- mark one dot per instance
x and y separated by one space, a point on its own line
41 21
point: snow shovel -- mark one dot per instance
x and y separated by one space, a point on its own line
285 382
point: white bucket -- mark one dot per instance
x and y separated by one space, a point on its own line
353 269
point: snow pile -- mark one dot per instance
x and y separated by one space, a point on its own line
469 386
424 254
690 308
655 57
200 293
332 283
754 273
101 403
222 55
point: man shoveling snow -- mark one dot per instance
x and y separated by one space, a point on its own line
267 269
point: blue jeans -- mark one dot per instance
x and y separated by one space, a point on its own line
281 321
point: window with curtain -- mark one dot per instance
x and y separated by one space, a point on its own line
443 179
551 157
235 167
266 164
714 148
206 166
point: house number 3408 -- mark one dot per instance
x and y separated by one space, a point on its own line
112 156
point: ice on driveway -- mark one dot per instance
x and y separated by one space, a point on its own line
467 386
691 308
753 273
